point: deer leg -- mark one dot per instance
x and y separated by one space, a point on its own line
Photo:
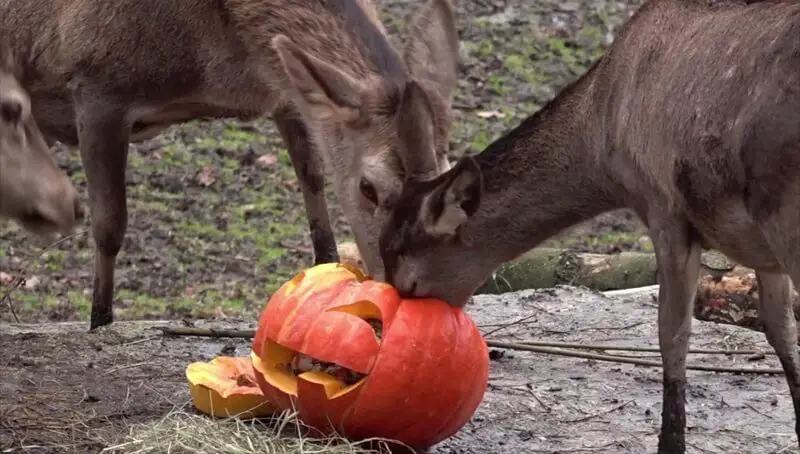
309 168
103 143
678 260
775 311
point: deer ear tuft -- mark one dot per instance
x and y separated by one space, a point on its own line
453 200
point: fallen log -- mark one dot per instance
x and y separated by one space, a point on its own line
548 267
733 299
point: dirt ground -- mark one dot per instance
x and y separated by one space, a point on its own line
61 386
216 218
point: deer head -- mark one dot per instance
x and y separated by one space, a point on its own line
423 247
33 190
379 130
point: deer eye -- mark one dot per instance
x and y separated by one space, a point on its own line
368 190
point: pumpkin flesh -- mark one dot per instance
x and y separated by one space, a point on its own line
227 386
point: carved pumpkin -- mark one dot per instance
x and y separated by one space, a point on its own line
352 357
226 386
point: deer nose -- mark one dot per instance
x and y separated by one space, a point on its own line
409 290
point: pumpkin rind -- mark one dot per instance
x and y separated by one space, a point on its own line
227 386
444 363
424 378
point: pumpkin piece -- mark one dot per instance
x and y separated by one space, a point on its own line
417 377
226 386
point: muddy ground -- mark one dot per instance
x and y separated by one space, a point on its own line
65 390
216 218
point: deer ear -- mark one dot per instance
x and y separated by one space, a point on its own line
431 52
328 93
453 200
415 124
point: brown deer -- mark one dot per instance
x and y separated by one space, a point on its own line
104 73
33 190
692 120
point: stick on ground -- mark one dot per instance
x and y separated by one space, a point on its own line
205 332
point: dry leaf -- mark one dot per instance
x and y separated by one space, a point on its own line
218 313
32 282
290 184
206 176
5 278
267 160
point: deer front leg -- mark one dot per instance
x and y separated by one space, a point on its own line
309 168
103 142
775 311
678 260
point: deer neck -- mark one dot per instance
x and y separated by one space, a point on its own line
542 177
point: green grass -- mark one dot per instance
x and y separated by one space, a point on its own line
229 242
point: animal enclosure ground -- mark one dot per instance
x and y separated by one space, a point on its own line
216 218
65 390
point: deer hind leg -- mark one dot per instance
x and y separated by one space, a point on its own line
309 168
776 312
103 142
779 228
678 258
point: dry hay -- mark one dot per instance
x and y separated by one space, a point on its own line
182 431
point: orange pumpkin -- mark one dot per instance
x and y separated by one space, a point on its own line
376 365
226 386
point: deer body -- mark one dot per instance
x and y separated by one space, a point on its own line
691 119
105 73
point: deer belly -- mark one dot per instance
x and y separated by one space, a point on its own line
730 229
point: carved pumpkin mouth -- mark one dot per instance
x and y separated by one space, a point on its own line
338 371
302 363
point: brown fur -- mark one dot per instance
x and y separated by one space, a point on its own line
33 190
692 119
104 73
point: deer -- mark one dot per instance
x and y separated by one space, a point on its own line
102 74
34 191
691 119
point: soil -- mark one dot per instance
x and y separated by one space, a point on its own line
216 221
63 389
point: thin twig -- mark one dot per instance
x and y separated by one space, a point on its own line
207 332
604 412
508 325
25 268
596 328
624 360
633 348
7 299
529 387
126 366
